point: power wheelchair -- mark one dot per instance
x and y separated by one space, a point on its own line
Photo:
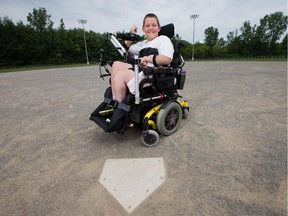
155 107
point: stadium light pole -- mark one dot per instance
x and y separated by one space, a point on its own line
193 16
82 21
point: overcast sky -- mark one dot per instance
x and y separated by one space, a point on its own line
117 15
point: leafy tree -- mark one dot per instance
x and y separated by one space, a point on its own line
177 37
283 46
231 36
271 28
258 40
247 38
7 40
62 25
39 20
221 42
45 36
201 50
233 43
211 38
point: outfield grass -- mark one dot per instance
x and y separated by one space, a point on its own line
242 59
39 67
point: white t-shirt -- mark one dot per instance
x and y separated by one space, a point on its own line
162 43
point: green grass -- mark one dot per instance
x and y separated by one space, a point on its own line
38 67
243 59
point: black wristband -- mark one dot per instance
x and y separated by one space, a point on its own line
154 60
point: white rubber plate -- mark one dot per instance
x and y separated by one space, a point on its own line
131 181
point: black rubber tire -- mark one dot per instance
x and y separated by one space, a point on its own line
185 113
169 118
151 139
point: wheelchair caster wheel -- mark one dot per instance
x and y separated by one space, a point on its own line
185 113
150 138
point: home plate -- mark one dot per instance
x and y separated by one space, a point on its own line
131 181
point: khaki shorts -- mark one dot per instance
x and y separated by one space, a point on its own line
131 83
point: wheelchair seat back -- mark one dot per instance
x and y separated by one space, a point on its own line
169 31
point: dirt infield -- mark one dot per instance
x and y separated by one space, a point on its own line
228 158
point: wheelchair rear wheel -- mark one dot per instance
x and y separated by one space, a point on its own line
169 118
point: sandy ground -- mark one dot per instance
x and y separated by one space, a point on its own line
228 158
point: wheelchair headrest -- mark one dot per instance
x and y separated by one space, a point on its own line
167 30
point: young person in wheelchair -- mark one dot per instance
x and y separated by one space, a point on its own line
126 101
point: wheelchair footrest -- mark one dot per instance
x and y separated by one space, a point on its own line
100 120
115 121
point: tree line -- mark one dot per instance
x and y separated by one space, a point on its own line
39 42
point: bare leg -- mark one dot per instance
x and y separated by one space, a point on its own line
120 76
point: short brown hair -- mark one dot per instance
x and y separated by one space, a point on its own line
151 15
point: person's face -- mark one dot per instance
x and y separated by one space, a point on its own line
151 28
